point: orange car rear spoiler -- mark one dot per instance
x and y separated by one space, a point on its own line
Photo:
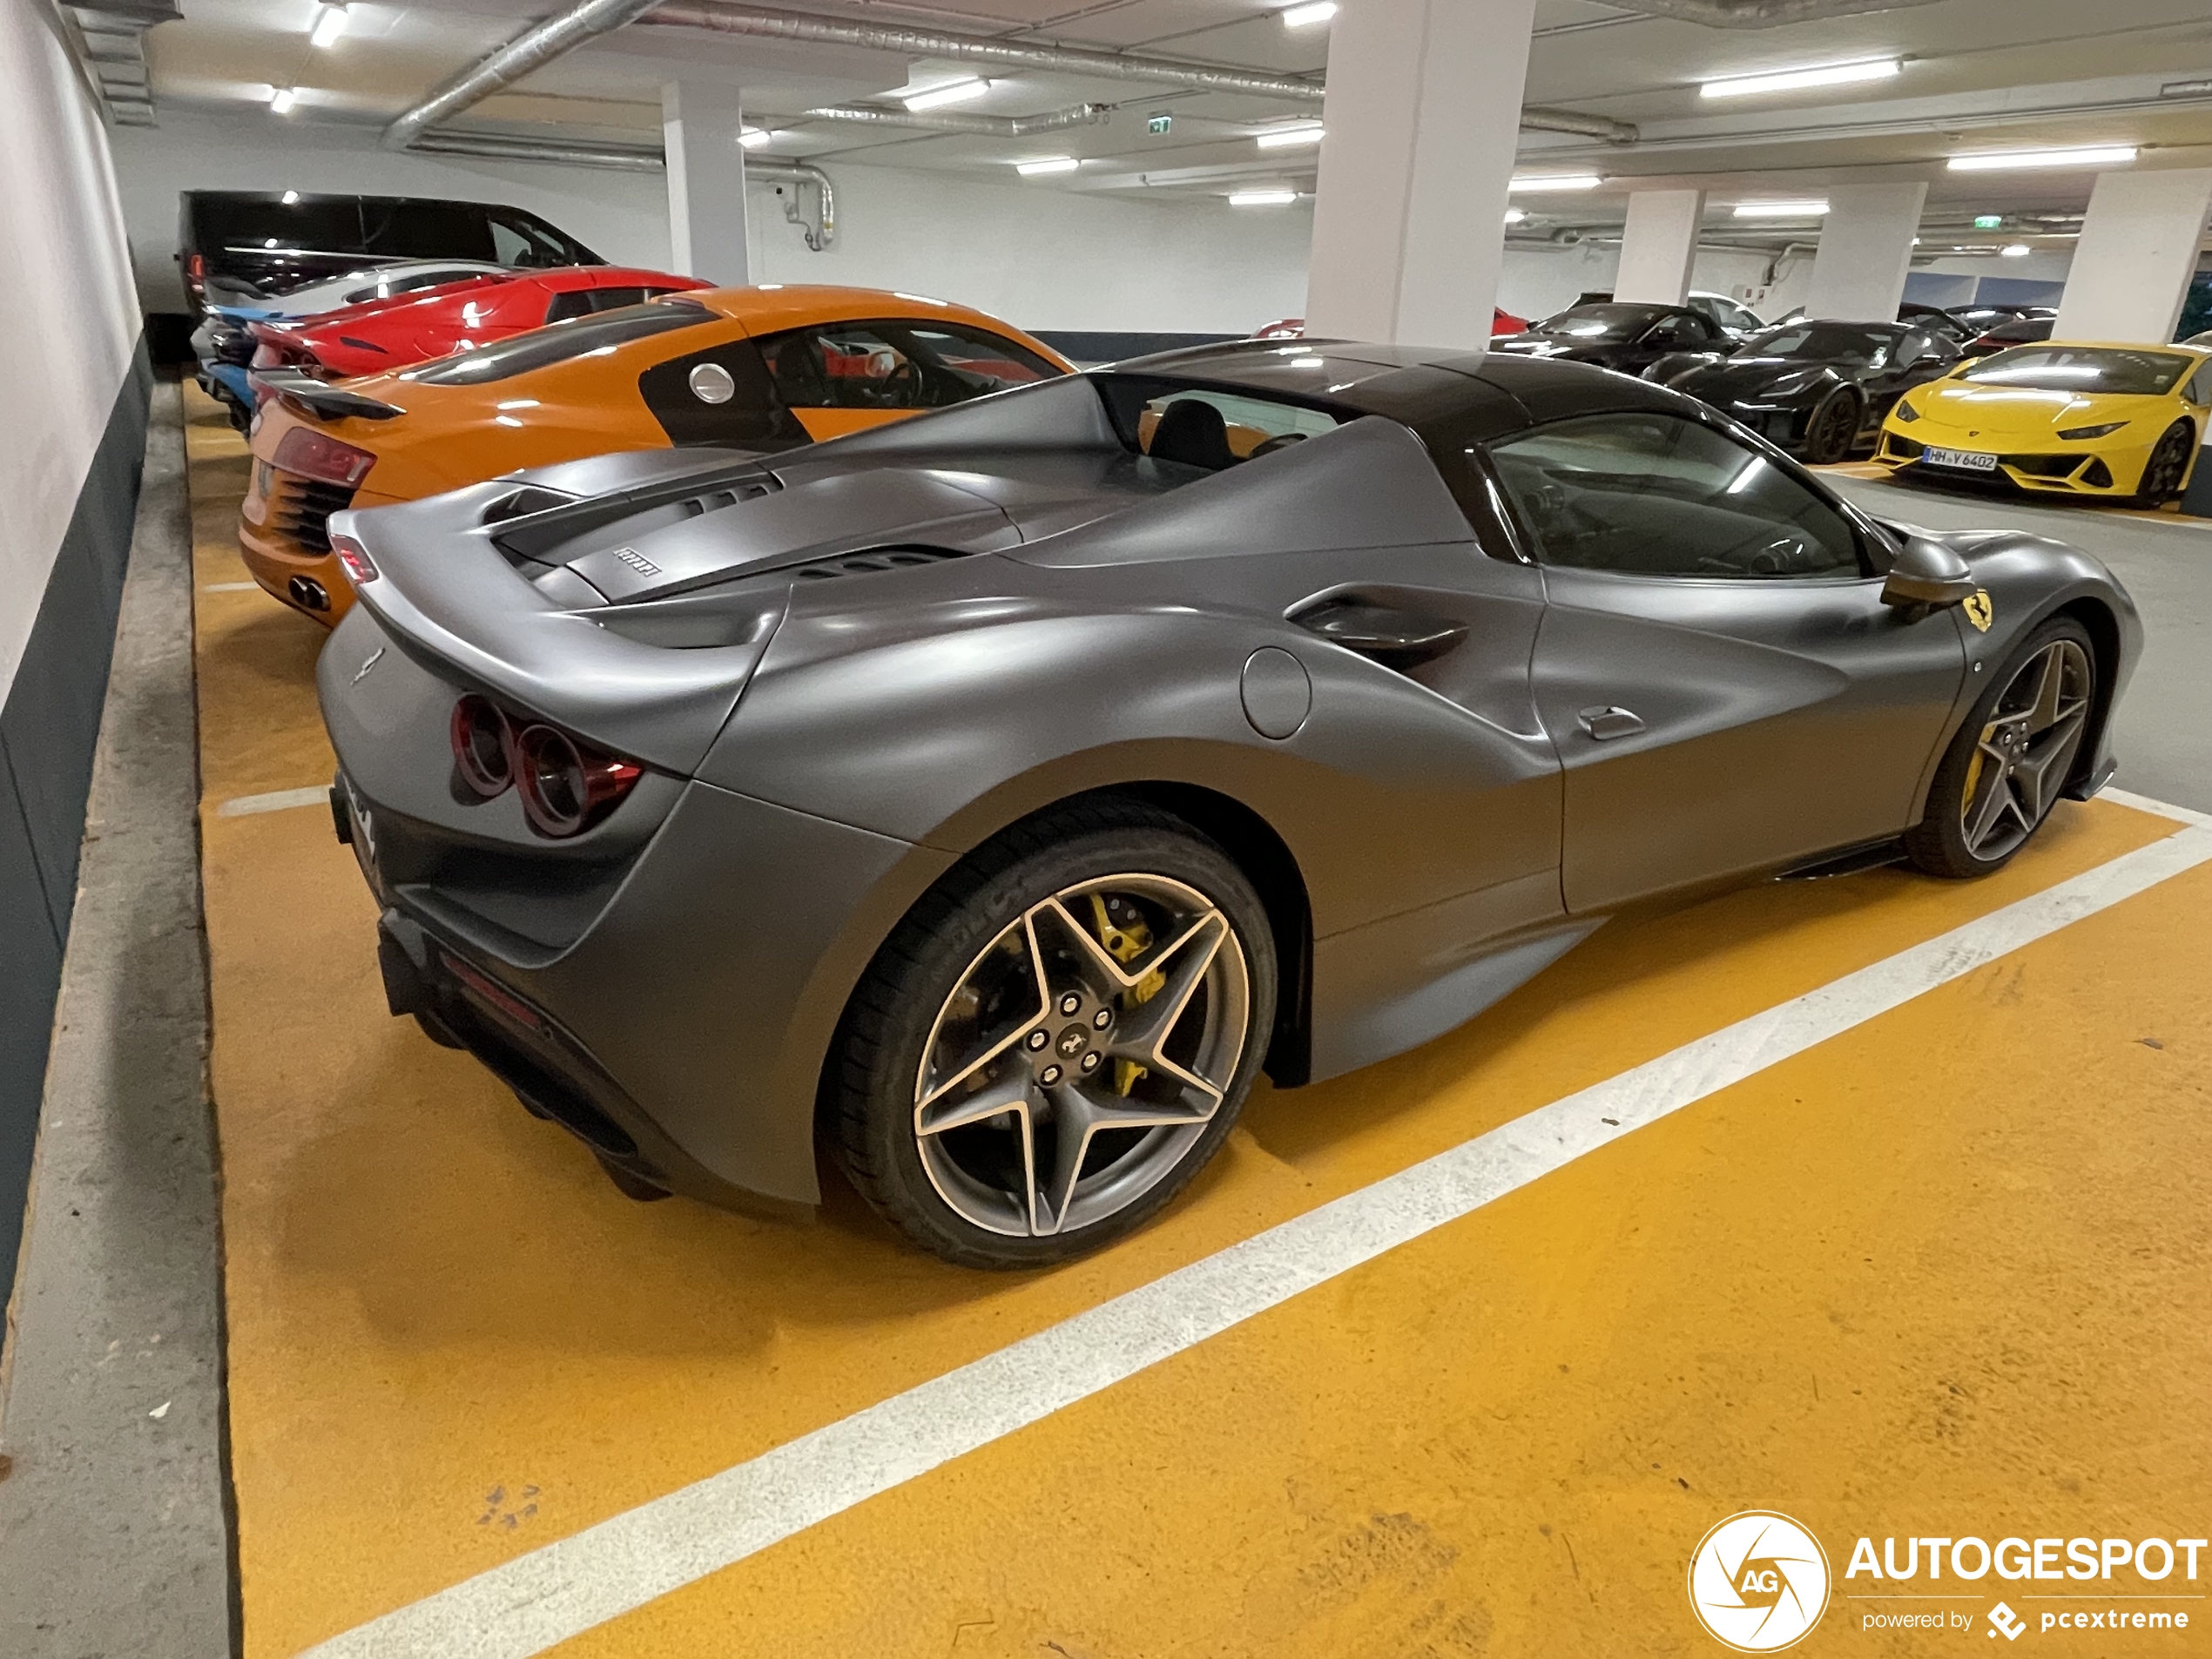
304 394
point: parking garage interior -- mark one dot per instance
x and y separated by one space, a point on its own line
1699 1270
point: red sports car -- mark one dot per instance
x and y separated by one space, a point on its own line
407 328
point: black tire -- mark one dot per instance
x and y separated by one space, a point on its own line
1939 844
1832 432
874 1090
2167 470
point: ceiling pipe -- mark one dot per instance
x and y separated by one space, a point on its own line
531 49
992 126
761 23
1759 14
1536 119
821 231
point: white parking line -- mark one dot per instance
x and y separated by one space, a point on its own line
230 587
276 800
553 1593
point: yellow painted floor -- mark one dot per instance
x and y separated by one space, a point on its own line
1944 1274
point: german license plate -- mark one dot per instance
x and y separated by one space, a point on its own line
1963 459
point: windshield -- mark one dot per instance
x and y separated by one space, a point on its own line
561 342
1824 342
1205 426
2083 369
1599 322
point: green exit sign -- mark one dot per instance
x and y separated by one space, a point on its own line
1989 221
1160 123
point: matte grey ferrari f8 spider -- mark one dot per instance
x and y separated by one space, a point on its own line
989 799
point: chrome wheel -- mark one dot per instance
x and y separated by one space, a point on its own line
1081 1053
2025 750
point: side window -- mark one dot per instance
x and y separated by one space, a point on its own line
894 365
1653 495
1686 328
520 239
2200 384
720 395
581 302
509 246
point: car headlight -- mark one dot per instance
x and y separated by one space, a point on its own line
2082 433
1906 413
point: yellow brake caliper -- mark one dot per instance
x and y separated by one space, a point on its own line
1126 944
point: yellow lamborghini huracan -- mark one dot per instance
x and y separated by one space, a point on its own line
2117 422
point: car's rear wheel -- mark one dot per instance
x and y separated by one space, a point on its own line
2167 467
1056 1039
2009 764
1833 430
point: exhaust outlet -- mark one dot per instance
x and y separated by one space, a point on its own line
308 593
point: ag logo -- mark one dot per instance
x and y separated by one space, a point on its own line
1980 612
1758 1581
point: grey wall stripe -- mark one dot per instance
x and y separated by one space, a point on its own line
48 730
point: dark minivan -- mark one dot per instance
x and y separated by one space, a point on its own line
238 247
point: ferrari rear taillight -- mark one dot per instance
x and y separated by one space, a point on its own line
564 785
317 455
352 558
481 739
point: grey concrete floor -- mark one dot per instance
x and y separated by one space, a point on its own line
2163 735
114 1529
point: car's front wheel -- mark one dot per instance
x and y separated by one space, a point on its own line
2009 764
1056 1039
2168 467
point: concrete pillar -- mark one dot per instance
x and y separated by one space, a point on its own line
1865 252
1423 117
1658 245
706 228
2138 250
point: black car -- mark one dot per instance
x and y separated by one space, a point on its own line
2021 331
1815 389
240 246
1618 334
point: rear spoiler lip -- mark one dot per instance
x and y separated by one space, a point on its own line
304 394
446 595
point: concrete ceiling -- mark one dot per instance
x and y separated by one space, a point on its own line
1978 75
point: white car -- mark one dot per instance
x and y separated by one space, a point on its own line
1737 318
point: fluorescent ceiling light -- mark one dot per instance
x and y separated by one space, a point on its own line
281 98
2016 250
1306 17
1781 210
937 96
753 138
1564 181
1998 160
2186 89
1515 215
329 24
1790 80
1284 138
1047 164
291 198
1262 198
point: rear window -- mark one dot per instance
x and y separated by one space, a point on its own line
1207 427
2083 369
561 342
1600 322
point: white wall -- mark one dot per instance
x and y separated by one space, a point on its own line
65 285
1540 280
1040 256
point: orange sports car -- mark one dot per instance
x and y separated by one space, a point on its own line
762 368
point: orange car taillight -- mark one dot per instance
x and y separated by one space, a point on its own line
317 455
565 786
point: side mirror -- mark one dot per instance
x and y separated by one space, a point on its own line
1928 574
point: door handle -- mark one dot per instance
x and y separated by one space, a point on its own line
1611 722
1393 638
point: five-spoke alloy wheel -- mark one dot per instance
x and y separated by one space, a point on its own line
1059 1037
2011 760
